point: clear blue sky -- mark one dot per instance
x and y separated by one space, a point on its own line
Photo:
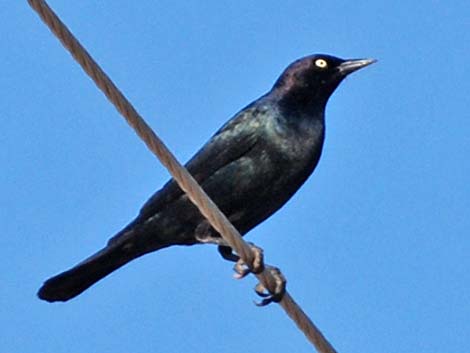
375 245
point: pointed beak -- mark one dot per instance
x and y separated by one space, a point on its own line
350 66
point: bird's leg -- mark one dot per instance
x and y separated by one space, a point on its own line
227 253
257 266
277 288
240 267
274 294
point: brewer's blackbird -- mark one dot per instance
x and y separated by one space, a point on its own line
250 168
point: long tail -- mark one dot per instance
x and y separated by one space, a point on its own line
71 283
136 239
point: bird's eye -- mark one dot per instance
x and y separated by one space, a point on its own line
321 63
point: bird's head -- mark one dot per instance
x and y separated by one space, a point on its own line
308 82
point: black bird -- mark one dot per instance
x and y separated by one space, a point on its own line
250 168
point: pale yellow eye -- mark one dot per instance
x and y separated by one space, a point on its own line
321 63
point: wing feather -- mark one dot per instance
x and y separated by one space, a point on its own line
231 142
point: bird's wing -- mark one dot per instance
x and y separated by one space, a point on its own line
232 141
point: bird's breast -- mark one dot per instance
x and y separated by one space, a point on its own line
298 143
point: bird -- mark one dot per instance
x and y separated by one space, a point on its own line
250 168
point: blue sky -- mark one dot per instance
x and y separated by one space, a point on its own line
375 245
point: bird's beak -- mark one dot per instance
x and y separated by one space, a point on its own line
349 66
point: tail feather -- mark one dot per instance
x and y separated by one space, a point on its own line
71 283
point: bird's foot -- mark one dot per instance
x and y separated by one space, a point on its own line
227 253
277 290
242 269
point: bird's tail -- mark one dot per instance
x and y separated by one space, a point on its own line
71 283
